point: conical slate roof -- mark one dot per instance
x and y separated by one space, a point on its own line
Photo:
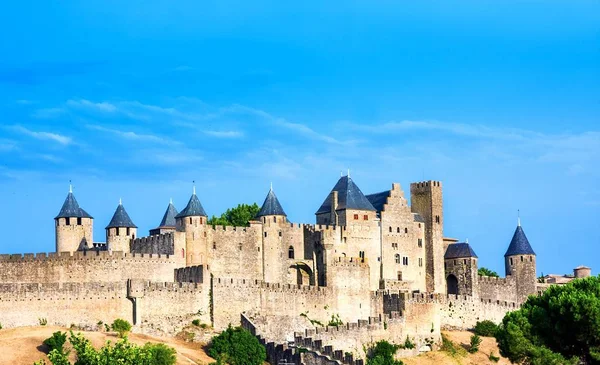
459 250
349 197
169 217
193 208
71 208
121 219
519 245
271 206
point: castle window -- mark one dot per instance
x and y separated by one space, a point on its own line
530 259
344 239
204 234
397 229
275 219
258 248
405 261
264 219
397 257
214 245
127 231
420 242
390 229
68 221
201 220
437 219
511 261
356 217
405 230
361 254
291 252
521 258
265 234
465 261
183 252
421 262
78 221
419 225
133 236
280 233
240 246
399 275
190 220
454 262
366 217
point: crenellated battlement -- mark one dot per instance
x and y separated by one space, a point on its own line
493 280
274 287
61 291
341 261
82 255
423 186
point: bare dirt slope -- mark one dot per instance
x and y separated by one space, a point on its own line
23 345
461 338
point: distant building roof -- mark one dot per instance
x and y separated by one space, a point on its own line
71 208
378 199
168 219
121 219
349 197
459 250
519 245
271 205
193 208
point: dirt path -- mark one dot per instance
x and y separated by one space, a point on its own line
23 345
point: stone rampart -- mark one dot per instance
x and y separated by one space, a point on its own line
498 289
85 266
163 244
192 274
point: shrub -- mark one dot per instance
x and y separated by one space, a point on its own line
486 328
161 354
475 342
56 341
121 326
335 321
236 346
408 344
493 358
0 326
383 354
43 321
196 322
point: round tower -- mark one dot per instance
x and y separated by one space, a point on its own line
120 231
74 227
192 220
460 265
276 254
519 262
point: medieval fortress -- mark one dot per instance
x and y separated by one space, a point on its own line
379 266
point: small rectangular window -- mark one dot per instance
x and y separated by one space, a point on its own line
265 234
421 263
366 217
280 234
356 217
420 242
399 275
78 221
68 221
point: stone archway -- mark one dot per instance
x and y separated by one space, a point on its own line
452 284
303 274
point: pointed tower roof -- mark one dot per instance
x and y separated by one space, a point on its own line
271 206
459 250
349 197
193 208
168 219
70 208
519 245
121 219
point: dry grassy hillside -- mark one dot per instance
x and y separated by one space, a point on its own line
23 345
461 339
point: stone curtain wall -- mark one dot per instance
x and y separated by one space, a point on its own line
163 244
494 289
82 267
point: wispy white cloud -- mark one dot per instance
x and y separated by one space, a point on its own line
48 136
86 104
224 134
49 113
7 145
133 136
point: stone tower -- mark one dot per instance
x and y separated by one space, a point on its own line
426 199
460 264
519 262
120 231
274 254
168 222
192 220
74 227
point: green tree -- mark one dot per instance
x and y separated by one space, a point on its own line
484 271
236 346
486 328
562 326
474 345
238 216
383 354
121 326
56 341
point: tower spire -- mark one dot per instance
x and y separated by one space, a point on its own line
271 186
120 201
194 187
70 187
348 173
170 200
519 217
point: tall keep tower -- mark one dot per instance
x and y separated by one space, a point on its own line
74 227
120 231
519 261
192 220
426 199
273 219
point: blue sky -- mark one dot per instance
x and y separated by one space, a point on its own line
134 100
